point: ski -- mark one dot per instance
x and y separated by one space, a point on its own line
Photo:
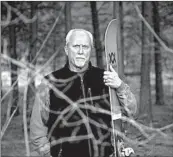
112 59
111 50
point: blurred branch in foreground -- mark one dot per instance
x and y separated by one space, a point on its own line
152 31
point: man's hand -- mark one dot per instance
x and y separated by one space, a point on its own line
111 78
45 150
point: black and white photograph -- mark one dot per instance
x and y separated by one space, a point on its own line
86 78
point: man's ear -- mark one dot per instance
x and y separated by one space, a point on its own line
66 50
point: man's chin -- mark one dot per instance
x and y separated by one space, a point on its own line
80 65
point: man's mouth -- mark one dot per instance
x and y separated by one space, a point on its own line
80 58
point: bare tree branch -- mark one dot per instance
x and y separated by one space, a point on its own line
18 13
4 128
25 120
48 35
152 31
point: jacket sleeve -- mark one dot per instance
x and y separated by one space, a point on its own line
127 99
39 117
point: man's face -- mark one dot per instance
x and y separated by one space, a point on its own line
79 49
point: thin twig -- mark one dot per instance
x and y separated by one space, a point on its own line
18 13
48 35
7 21
9 89
48 62
25 121
27 66
152 31
4 128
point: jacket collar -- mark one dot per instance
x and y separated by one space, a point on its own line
67 69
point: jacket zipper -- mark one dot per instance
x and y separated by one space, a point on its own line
90 95
84 96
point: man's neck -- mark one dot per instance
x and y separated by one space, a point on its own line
78 70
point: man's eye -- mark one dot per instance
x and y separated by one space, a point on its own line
76 46
85 46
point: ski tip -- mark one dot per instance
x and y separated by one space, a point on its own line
113 20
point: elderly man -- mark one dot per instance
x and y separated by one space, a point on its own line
71 116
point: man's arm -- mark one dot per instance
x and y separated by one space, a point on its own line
39 117
127 99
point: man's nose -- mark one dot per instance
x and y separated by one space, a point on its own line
80 49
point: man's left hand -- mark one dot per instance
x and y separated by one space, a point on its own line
111 78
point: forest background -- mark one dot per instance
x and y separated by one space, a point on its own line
32 45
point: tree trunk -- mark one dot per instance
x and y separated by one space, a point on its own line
96 34
54 49
1 94
67 17
14 69
33 29
158 57
145 93
33 38
118 14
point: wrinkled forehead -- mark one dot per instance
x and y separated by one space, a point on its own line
80 37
